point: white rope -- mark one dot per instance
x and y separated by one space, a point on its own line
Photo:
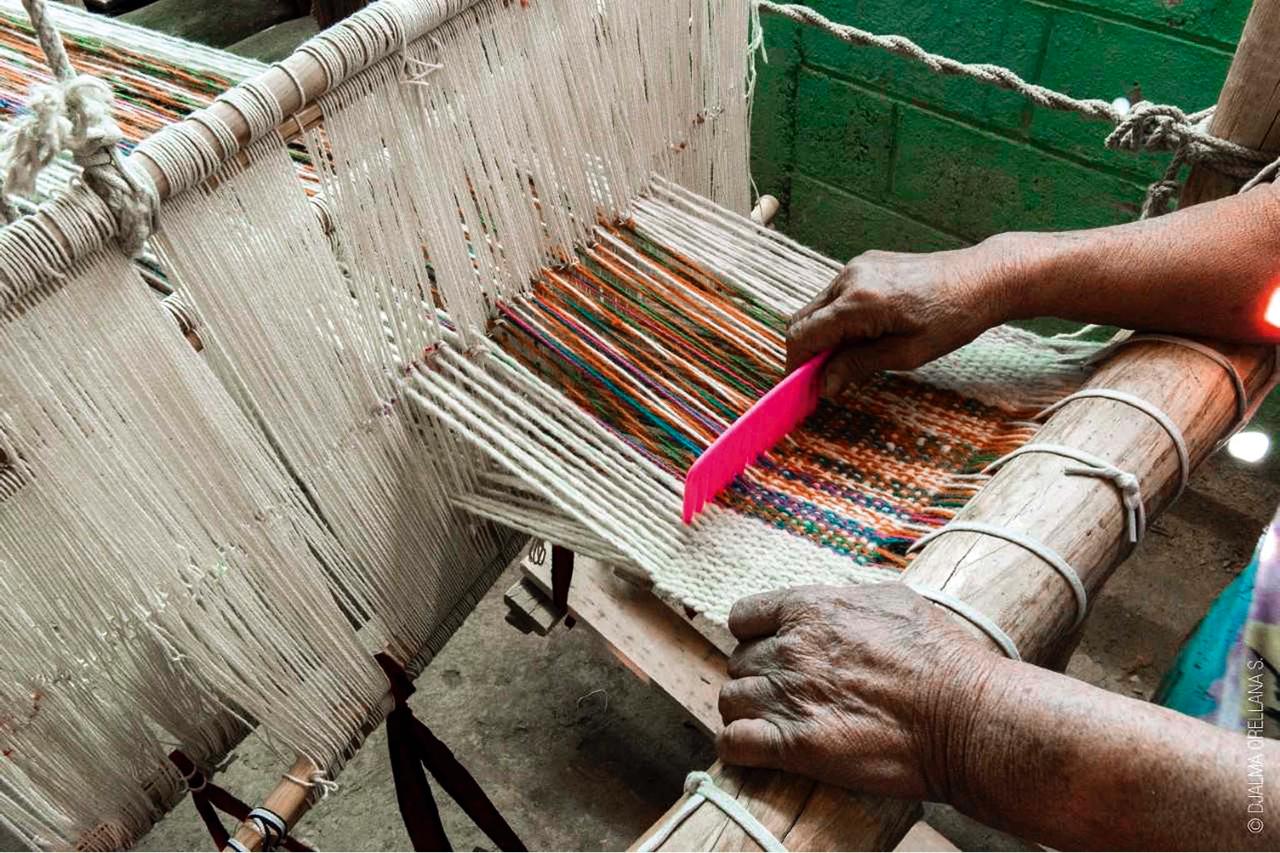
74 113
1093 466
318 781
700 788
1166 423
270 826
1041 550
1142 127
971 614
1237 384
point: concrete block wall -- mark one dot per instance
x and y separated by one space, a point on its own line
868 151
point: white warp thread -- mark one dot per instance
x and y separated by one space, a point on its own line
576 476
146 498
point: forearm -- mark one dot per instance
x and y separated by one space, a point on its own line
1073 766
1208 270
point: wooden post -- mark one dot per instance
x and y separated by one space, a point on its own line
1026 598
1249 102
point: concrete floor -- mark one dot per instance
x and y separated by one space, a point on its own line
580 755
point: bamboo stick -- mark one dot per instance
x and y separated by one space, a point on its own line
1249 102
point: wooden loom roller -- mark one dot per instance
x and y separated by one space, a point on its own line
1029 600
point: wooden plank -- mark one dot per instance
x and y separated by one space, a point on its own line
922 837
276 41
214 24
646 635
772 796
665 650
835 819
529 609
329 12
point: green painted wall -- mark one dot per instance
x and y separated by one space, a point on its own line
869 151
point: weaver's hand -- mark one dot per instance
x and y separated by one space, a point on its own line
895 311
856 686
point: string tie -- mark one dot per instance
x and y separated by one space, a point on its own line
73 114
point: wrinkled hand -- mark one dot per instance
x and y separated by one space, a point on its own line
897 311
856 686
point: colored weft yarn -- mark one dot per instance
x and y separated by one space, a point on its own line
666 354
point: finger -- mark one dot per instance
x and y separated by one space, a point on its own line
828 293
754 657
855 365
750 743
756 615
839 323
753 696
818 332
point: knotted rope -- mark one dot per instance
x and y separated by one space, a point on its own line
1143 127
73 113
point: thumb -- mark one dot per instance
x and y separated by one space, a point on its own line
855 365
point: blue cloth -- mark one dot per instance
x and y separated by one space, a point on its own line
1188 685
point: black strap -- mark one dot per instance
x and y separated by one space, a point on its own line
465 790
561 579
413 747
209 799
417 805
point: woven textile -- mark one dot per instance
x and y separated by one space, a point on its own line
668 364
670 326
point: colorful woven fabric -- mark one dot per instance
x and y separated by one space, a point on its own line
667 355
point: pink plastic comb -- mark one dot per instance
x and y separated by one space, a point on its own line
773 416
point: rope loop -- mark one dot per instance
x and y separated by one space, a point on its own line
318 781
700 788
1150 410
1089 465
271 826
972 615
1049 556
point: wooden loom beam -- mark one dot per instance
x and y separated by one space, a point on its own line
1079 517
303 73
